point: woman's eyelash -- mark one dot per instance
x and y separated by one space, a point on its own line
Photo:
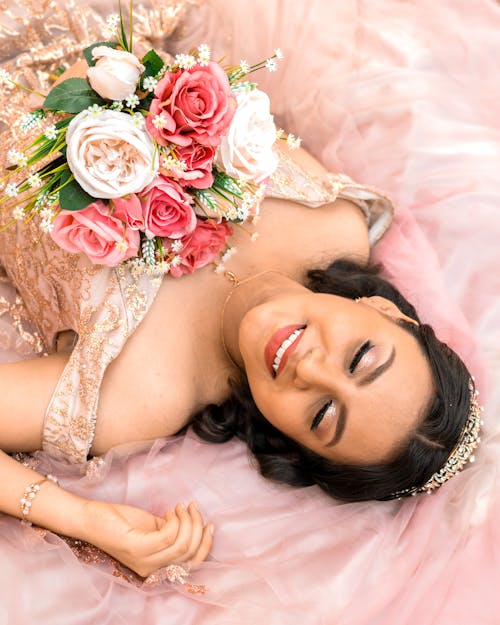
359 354
319 415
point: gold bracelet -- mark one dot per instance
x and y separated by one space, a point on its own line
30 492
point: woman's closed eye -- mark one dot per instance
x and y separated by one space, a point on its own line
326 409
365 348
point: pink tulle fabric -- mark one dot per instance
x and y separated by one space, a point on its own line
404 96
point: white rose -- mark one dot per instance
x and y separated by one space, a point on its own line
246 151
109 155
115 74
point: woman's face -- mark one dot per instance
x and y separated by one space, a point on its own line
340 377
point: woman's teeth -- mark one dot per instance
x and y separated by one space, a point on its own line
284 346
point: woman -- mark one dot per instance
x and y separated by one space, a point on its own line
281 294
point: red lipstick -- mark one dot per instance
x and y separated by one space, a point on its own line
275 342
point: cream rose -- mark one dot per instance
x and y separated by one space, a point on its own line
109 155
246 151
115 74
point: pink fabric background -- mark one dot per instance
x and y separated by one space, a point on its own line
404 96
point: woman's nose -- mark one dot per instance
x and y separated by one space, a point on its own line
314 369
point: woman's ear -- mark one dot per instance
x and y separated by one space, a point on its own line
387 307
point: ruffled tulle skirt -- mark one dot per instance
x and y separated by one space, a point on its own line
403 96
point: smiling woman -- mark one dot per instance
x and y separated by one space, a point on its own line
361 398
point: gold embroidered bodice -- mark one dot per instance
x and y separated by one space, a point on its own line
64 291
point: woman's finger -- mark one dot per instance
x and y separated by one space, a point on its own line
205 545
197 530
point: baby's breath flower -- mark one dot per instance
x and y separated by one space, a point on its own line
121 246
185 61
5 77
31 120
161 73
35 181
47 213
149 83
18 213
94 110
231 251
244 66
117 106
203 54
271 64
111 28
14 157
278 53
132 101
51 132
219 268
11 190
279 133
254 237
293 142
177 246
176 261
159 122
255 219
46 226
138 120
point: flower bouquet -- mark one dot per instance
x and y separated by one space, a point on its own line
144 160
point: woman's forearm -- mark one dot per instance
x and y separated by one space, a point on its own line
52 508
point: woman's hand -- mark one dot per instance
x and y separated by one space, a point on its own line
145 542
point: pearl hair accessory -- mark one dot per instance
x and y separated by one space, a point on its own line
462 453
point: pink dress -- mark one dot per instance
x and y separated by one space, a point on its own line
402 95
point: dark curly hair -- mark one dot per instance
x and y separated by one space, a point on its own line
283 460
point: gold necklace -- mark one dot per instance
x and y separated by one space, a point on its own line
231 276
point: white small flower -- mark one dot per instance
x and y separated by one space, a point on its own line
278 53
30 121
254 237
279 133
149 83
293 142
219 268
132 100
231 251
271 64
255 219
177 246
94 110
113 20
46 226
117 106
138 120
176 261
185 61
244 66
121 246
11 190
203 54
35 181
18 213
159 122
14 157
47 213
51 132
5 77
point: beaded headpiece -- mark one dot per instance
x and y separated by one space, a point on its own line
462 453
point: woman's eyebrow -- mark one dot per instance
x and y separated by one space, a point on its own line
377 372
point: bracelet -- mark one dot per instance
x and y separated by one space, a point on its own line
30 492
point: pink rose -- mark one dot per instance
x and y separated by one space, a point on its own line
192 105
198 172
129 210
95 232
167 212
202 246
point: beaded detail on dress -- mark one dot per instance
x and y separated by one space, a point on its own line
63 291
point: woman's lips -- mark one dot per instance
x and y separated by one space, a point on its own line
275 342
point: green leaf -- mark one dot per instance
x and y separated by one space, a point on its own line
72 96
71 196
153 64
87 53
